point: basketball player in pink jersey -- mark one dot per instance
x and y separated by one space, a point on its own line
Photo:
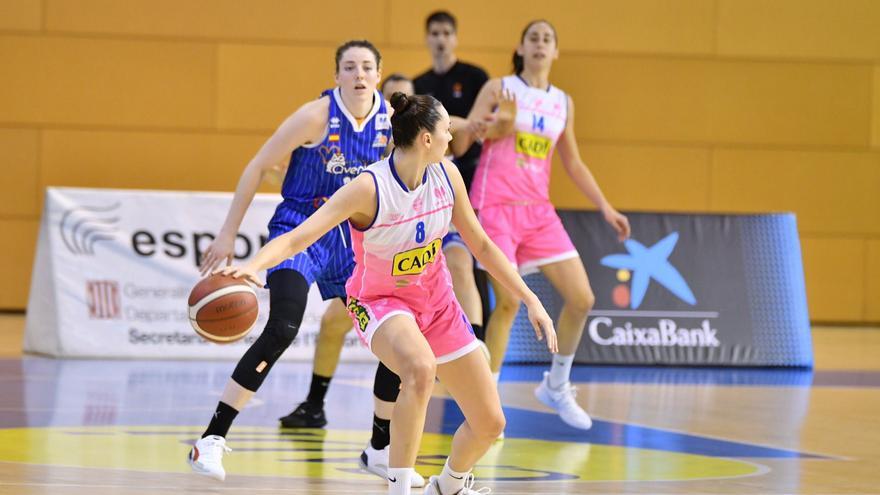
400 294
511 192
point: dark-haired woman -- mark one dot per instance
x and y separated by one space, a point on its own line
327 142
400 294
511 192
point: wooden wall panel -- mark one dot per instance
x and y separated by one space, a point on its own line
306 20
106 82
259 86
831 193
875 121
146 160
650 26
21 15
639 178
844 29
638 99
682 105
16 261
726 102
791 103
834 271
19 153
872 275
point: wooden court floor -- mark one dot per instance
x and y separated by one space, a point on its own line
123 427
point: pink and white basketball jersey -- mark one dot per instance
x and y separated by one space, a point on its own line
516 168
400 254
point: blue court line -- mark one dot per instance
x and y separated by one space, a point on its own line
535 425
771 377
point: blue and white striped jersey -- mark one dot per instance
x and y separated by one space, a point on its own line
317 170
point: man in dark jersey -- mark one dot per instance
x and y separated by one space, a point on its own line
456 84
453 82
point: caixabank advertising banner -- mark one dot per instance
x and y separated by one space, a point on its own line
685 290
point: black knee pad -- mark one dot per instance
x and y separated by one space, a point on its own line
386 386
287 301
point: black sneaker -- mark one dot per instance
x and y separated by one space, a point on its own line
306 415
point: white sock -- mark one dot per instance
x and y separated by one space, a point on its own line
399 480
496 376
451 482
560 370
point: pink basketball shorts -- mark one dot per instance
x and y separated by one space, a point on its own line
445 328
529 235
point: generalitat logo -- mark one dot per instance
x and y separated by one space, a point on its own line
640 267
103 299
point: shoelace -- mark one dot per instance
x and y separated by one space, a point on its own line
566 390
469 485
569 394
222 446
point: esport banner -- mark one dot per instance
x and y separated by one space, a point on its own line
114 269
709 290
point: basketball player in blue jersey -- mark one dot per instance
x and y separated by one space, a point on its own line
328 142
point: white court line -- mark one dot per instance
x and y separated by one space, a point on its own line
679 314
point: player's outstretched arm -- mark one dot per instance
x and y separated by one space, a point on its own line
497 264
355 200
583 178
303 126
460 127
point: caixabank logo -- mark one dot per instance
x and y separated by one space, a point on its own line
643 264
653 325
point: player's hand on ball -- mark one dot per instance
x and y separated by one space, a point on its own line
243 271
219 251
542 323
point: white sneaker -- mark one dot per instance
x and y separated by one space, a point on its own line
376 462
433 487
562 399
206 457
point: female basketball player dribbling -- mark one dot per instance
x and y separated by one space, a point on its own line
328 142
400 295
511 192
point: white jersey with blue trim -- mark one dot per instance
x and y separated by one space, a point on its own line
400 253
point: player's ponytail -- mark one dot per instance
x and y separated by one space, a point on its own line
518 65
412 114
399 102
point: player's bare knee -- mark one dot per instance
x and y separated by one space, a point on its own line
506 303
492 424
581 302
460 265
333 325
418 376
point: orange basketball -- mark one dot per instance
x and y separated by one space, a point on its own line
222 309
